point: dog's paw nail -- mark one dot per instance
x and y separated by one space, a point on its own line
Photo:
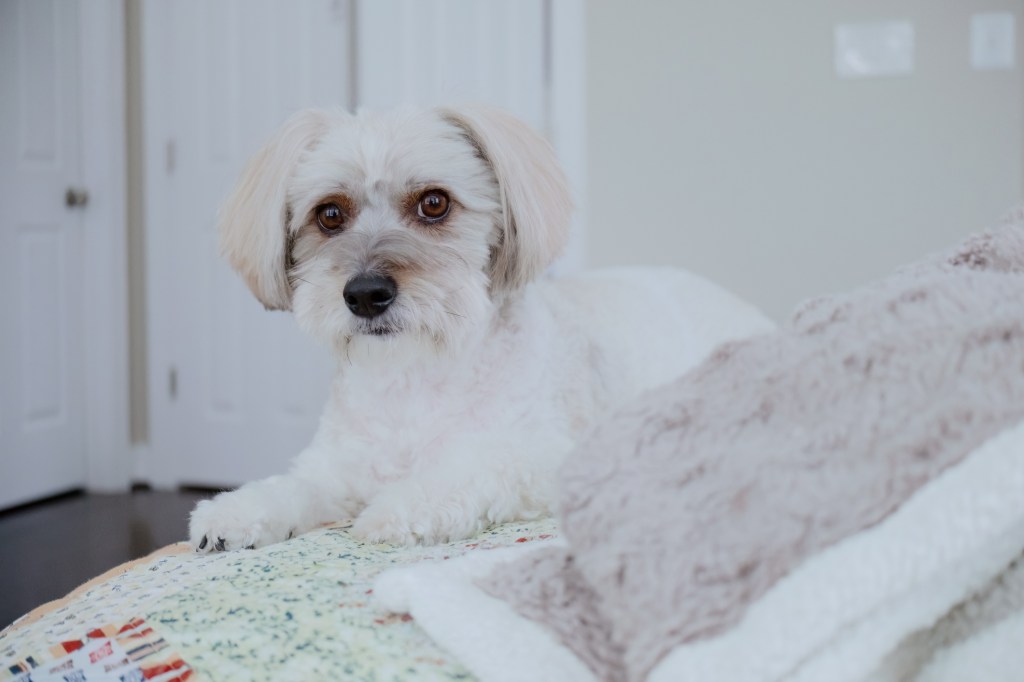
220 545
250 547
291 534
202 544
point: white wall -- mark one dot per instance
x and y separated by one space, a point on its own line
720 139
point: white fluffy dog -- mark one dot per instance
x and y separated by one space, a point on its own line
413 244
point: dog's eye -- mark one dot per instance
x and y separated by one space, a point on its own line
330 217
433 205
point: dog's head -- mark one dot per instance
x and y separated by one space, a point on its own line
407 227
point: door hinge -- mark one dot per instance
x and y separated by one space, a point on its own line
172 383
171 156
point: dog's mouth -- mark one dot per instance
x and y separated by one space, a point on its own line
380 330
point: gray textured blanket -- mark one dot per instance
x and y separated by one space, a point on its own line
684 509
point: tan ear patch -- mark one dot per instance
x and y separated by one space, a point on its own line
534 192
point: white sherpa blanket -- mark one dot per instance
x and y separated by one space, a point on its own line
840 500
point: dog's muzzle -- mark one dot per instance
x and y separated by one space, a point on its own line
369 295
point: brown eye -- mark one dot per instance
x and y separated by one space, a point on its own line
433 205
330 217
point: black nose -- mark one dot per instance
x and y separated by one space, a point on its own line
369 295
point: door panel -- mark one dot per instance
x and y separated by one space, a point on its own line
236 391
43 309
42 444
447 51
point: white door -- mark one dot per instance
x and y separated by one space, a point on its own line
235 391
444 51
42 432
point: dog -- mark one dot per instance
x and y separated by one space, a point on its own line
414 245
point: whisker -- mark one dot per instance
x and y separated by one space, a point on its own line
312 284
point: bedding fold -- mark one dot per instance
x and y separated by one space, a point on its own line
827 501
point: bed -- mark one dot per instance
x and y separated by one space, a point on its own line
837 500
299 610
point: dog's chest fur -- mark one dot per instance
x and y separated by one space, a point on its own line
534 372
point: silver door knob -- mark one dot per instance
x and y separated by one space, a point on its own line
76 197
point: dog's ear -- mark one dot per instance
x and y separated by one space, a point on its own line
534 193
253 221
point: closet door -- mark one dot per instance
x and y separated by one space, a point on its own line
445 51
42 430
235 391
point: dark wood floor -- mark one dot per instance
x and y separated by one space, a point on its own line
50 548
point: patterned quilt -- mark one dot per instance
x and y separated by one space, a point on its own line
299 610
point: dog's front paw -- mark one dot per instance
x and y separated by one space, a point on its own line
379 526
234 520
